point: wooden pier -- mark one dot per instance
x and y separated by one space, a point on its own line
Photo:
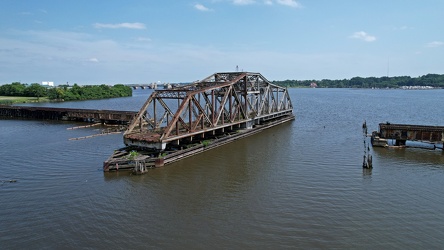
67 114
407 132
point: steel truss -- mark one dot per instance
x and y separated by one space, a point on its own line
222 100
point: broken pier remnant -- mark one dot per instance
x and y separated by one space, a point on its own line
407 132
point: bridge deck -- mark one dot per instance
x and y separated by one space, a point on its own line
49 113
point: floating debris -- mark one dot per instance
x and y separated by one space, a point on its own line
85 126
9 181
91 136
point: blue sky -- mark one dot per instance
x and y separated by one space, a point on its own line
144 41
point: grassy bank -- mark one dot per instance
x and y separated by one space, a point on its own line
8 100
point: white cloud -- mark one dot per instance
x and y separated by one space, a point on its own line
435 44
291 3
268 2
139 26
95 60
201 7
243 2
361 35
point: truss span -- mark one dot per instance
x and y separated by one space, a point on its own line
218 104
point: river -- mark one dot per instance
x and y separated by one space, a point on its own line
299 185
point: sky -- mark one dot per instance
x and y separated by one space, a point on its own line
177 41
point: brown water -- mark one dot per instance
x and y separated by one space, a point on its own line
299 185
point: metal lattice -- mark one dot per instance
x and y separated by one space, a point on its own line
216 102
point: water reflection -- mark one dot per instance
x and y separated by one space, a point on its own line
367 173
411 155
114 176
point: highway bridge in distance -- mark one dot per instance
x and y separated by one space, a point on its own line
154 85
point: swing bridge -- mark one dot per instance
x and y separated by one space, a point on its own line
222 103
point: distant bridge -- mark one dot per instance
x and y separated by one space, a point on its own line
153 86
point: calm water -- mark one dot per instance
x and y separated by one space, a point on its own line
299 185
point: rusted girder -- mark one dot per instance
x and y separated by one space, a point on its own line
408 132
27 112
220 101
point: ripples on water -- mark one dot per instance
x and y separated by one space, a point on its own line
298 185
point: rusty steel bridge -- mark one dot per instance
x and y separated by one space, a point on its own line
220 103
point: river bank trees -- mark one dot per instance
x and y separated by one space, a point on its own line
433 80
19 89
65 92
88 92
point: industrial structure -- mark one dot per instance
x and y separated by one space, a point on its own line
67 114
402 133
185 120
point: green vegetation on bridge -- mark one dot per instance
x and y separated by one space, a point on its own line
432 80
61 93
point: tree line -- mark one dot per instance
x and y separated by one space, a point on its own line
433 80
65 92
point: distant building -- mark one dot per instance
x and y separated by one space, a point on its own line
313 85
49 84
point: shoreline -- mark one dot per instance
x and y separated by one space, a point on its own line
8 100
